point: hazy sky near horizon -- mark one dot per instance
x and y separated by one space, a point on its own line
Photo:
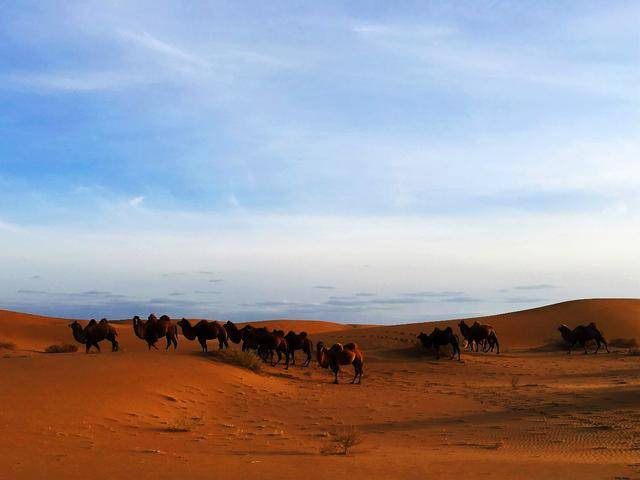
350 161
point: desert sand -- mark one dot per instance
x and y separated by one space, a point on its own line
530 412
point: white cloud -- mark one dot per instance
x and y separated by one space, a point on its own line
135 201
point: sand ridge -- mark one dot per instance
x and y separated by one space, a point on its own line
517 415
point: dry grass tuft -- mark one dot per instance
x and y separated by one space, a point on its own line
7 346
246 359
342 441
182 423
624 343
64 348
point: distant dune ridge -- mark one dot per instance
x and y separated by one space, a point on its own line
616 318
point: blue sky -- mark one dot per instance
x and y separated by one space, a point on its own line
354 161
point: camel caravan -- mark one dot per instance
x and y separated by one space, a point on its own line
276 347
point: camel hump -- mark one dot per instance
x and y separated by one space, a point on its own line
104 320
351 346
448 330
337 347
92 322
165 318
303 334
152 317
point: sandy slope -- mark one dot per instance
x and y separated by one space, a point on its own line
517 415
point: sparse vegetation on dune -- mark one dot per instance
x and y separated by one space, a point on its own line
246 359
181 423
624 343
7 346
341 441
64 348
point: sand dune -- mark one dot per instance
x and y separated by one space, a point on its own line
157 415
616 318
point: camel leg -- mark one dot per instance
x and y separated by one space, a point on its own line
203 344
606 346
168 337
87 347
114 345
279 358
597 345
335 375
584 345
497 344
437 352
308 361
175 340
293 356
286 367
95 344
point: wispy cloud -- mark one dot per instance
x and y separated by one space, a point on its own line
135 201
153 44
536 286
525 300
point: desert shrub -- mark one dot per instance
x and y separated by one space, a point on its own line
64 348
552 345
181 423
7 346
343 440
246 359
624 343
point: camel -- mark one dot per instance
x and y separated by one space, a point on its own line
95 332
348 354
269 344
299 342
482 335
203 331
154 329
232 332
582 334
438 338
466 332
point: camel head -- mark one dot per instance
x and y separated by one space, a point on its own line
184 323
320 346
563 328
75 324
424 339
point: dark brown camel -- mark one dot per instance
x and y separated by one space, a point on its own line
481 335
153 329
437 338
233 333
348 354
266 344
583 334
203 331
95 332
299 342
